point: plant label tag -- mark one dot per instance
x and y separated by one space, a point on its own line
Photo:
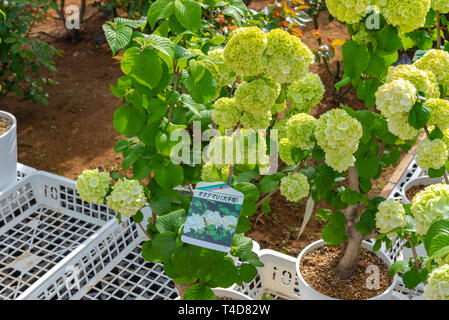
419 54
213 216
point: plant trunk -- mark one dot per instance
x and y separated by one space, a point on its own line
348 261
182 288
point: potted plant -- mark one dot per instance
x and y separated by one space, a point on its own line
8 145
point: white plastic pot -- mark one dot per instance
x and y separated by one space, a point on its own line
420 181
8 154
230 293
308 293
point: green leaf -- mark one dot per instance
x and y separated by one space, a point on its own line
161 44
224 273
129 120
121 145
350 196
411 278
437 228
397 267
436 173
252 258
419 116
199 292
202 90
355 57
143 66
243 225
141 169
171 222
377 245
249 190
268 184
131 23
367 165
160 9
117 38
436 134
148 254
324 214
187 102
248 272
335 231
169 176
367 222
138 217
156 109
188 13
438 242
241 244
324 177
164 244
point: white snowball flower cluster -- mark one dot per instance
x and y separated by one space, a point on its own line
127 197
431 154
407 15
391 215
437 287
436 61
286 57
338 134
439 113
223 75
399 126
194 223
397 96
285 152
423 80
349 11
210 173
300 129
430 205
294 187
306 93
440 5
92 186
225 113
197 222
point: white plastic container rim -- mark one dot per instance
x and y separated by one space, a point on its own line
8 154
424 180
318 244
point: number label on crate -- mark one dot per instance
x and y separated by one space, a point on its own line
50 192
213 216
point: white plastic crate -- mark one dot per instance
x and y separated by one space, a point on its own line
24 171
41 222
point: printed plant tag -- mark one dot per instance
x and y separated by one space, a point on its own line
419 54
213 216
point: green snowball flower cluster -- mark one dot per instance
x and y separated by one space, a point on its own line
440 5
278 107
423 80
255 121
294 187
221 151
281 127
242 147
244 52
430 205
431 154
300 129
349 11
436 61
306 93
439 113
225 113
92 186
257 96
338 134
210 173
407 15
285 152
397 96
391 215
127 197
223 75
437 287
399 126
286 57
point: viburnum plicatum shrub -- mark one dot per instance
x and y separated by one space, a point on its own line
174 81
